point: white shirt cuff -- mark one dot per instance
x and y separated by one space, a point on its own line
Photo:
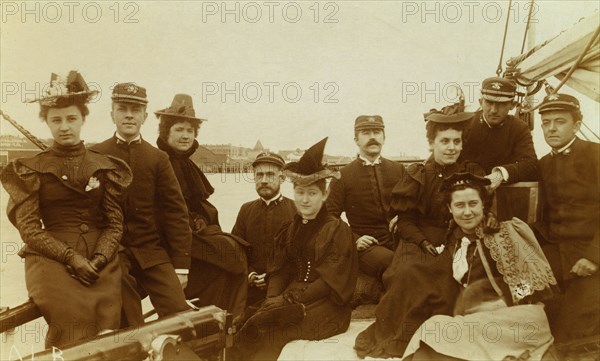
182 271
503 171
250 275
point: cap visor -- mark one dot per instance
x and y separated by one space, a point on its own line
267 161
369 126
556 108
134 100
497 98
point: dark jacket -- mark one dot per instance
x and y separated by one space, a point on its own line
154 190
418 200
258 224
571 186
364 192
508 145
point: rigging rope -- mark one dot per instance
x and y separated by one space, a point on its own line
589 129
499 69
527 26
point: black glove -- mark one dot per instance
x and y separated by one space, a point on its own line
80 268
293 295
427 247
197 223
273 302
98 262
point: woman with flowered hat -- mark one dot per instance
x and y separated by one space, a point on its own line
65 204
314 274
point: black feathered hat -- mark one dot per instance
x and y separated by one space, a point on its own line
449 114
310 167
464 178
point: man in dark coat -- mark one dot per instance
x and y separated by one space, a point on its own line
499 142
259 221
363 192
571 215
149 266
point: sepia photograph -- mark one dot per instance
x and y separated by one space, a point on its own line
300 180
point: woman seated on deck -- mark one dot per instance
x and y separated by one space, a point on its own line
502 275
418 283
65 204
314 275
219 266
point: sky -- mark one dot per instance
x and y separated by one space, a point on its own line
286 72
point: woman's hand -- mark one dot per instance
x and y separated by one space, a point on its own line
293 295
427 247
584 268
98 262
83 270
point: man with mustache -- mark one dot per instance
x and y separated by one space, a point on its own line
499 142
149 266
364 192
259 221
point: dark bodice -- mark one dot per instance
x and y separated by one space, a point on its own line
72 191
419 203
64 201
318 256
303 251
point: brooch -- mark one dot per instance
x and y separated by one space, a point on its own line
93 183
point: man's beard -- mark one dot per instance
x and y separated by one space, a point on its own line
267 192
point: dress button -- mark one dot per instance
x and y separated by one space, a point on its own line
84 227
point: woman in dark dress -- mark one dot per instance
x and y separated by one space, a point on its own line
314 274
418 284
64 202
503 275
218 272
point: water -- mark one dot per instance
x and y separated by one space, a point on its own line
231 191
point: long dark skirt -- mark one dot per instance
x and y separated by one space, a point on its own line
417 286
73 311
262 341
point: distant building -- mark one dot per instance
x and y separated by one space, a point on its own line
209 161
13 147
252 153
229 150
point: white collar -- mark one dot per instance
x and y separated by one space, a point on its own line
488 124
367 162
269 201
136 139
566 146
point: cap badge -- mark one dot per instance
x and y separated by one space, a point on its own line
553 97
132 89
496 85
